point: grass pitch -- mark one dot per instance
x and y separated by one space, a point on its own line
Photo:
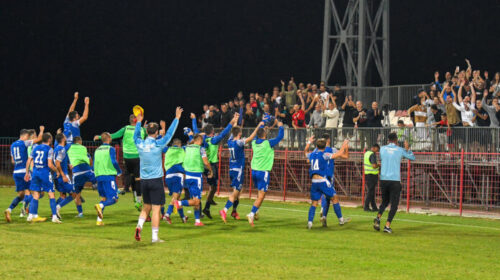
278 247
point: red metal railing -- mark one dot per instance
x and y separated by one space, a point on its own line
455 180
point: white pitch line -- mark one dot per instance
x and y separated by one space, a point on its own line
396 219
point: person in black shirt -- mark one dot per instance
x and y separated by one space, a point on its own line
338 94
374 118
347 123
360 120
225 116
249 118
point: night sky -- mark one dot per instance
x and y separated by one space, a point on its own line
161 54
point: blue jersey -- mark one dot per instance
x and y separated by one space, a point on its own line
237 153
150 151
331 161
41 155
19 153
71 129
319 163
61 155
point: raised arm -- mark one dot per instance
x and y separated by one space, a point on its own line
40 134
194 123
460 89
85 114
252 136
343 152
281 133
407 153
303 104
441 95
171 130
306 149
73 104
138 127
217 138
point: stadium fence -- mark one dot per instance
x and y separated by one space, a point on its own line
457 179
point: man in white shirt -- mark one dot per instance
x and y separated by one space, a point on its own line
465 106
331 115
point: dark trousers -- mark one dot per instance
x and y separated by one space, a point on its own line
391 191
213 183
371 185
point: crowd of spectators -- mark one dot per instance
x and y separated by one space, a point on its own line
466 98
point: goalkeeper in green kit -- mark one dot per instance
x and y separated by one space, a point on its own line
131 158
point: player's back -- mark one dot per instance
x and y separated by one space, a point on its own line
61 155
41 155
19 152
318 163
237 153
174 157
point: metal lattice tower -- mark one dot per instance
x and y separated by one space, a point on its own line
359 39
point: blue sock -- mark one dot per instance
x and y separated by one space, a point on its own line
181 213
15 202
80 209
185 203
312 211
162 210
197 214
255 209
34 206
338 211
65 201
59 200
27 199
228 204
108 202
170 209
235 204
53 206
326 205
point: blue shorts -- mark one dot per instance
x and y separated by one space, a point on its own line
64 187
174 182
42 182
260 180
237 178
21 185
79 180
194 182
107 189
320 187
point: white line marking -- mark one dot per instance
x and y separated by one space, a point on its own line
396 219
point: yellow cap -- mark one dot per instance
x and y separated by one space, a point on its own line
137 110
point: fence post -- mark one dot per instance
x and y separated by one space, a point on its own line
250 181
218 170
408 187
363 179
461 179
285 171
